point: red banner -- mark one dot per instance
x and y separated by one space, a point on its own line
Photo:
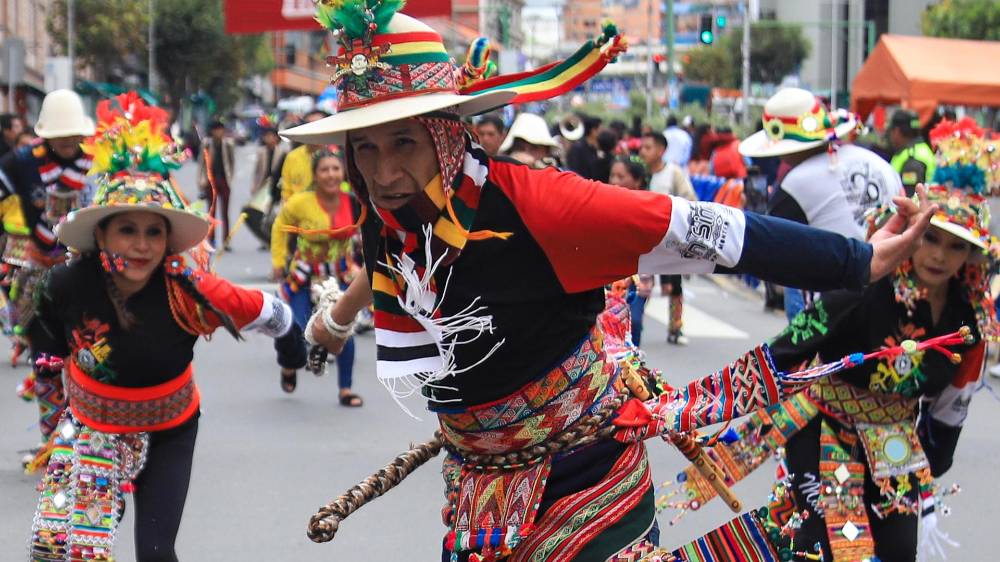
258 16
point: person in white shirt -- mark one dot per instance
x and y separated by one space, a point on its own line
665 177
678 144
829 185
668 178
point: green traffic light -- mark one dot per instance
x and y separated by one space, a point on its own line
720 21
707 37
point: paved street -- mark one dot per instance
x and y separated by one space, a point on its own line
265 460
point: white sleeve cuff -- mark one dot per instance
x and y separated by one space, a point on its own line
275 318
701 236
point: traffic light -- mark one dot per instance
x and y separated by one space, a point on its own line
721 21
706 35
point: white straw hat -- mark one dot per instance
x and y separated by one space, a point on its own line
794 121
62 115
530 128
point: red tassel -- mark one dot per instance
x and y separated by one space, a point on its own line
633 413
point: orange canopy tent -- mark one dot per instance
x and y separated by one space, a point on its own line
919 73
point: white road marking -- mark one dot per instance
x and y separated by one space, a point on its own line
697 323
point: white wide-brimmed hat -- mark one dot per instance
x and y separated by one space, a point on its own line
795 120
62 115
530 128
155 195
401 70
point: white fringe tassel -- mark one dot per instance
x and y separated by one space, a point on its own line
933 540
422 303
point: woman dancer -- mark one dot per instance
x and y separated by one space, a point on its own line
322 220
124 318
860 451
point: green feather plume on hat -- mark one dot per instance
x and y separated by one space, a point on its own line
352 17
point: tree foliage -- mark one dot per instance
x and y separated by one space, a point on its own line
775 52
193 53
963 19
108 34
710 64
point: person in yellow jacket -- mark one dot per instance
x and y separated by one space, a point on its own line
16 238
914 160
322 220
296 170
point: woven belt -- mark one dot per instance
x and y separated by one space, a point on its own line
116 409
849 404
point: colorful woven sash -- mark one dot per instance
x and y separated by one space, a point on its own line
752 443
849 404
844 513
116 409
493 509
575 523
537 411
742 539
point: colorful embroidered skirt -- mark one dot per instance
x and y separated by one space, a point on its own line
81 499
492 510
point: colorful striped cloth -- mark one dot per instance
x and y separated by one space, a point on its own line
743 539
415 343
559 77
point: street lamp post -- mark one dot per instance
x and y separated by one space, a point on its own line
746 61
70 38
152 49
649 60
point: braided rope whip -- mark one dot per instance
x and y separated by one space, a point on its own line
324 524
588 429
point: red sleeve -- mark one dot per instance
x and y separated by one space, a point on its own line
244 306
971 366
952 406
592 233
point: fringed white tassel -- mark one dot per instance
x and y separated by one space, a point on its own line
422 303
932 539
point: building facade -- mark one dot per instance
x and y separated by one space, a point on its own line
25 20
841 33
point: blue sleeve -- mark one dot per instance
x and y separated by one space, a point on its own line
795 255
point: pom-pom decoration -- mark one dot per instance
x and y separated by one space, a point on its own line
131 137
967 159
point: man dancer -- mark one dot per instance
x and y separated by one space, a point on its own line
49 177
486 273
668 178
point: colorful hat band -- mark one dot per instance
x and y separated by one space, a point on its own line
813 126
964 210
127 189
395 65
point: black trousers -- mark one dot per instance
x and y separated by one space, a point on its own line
674 281
161 490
